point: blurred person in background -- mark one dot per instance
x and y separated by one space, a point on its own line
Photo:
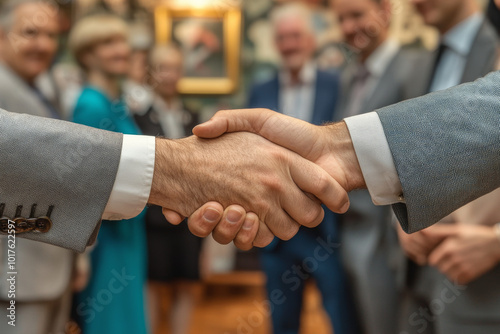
29 34
136 89
376 77
300 90
457 260
173 252
113 301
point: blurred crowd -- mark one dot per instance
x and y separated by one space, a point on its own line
373 278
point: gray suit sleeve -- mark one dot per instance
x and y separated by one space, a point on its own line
446 148
48 162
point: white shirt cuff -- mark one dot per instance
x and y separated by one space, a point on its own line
375 158
132 185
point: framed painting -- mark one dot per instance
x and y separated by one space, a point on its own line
210 42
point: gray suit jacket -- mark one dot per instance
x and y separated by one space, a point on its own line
446 148
393 87
370 249
41 166
48 162
446 145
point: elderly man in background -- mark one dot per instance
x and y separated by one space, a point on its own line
302 91
43 294
465 247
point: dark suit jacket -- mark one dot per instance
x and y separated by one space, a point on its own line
150 125
267 95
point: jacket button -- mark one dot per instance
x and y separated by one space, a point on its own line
43 224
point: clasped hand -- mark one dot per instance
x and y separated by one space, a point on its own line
243 188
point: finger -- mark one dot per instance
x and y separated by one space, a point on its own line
246 235
315 180
229 225
203 221
264 236
440 254
281 224
172 217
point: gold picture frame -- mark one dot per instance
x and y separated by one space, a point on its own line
221 45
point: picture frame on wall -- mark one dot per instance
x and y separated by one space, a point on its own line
209 40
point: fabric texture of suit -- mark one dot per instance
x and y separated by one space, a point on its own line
279 258
445 148
478 302
34 171
49 162
370 250
70 166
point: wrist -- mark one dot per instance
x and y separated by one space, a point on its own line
339 144
166 186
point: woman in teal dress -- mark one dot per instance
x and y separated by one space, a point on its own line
113 301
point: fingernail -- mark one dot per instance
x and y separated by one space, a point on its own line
233 216
211 215
248 224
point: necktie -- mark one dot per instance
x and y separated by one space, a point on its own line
439 55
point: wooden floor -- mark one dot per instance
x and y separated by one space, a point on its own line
231 304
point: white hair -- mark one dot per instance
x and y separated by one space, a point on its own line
8 8
295 11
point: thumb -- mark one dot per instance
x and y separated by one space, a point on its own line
213 128
249 120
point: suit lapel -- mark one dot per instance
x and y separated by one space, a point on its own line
346 82
23 99
482 56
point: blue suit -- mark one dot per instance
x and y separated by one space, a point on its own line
312 253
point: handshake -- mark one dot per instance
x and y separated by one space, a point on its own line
264 175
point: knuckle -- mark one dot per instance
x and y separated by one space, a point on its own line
273 184
313 217
322 184
262 207
289 232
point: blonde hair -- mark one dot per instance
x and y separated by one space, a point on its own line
162 51
92 30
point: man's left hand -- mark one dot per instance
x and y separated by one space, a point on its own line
467 251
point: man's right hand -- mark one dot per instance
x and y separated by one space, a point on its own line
248 171
328 146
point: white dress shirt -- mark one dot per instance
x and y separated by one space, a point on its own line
377 64
297 98
133 181
368 135
458 42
